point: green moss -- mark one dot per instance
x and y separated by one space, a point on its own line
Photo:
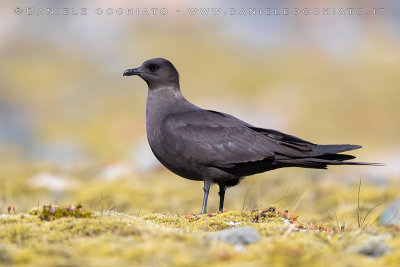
112 238
52 212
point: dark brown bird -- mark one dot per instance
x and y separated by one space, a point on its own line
215 147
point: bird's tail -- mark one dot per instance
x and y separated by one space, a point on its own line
323 155
333 149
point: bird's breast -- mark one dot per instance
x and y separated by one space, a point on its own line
165 144
170 152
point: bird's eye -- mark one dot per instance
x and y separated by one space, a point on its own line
153 67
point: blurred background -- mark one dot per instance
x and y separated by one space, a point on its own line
72 129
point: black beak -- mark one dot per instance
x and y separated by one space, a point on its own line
130 72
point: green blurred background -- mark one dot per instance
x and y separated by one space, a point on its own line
72 129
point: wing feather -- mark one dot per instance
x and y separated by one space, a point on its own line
214 139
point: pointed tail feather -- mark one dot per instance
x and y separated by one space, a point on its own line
318 163
333 149
320 156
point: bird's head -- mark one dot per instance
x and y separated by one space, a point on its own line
157 73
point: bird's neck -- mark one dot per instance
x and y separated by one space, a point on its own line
164 101
165 96
161 103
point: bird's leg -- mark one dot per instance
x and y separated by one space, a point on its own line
206 188
221 194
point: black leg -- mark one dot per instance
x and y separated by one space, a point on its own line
207 185
221 194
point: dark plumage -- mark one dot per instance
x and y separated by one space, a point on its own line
215 147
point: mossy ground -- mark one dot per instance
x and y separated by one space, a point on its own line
112 238
152 220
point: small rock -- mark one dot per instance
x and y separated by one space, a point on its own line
372 247
391 215
53 182
237 236
116 171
